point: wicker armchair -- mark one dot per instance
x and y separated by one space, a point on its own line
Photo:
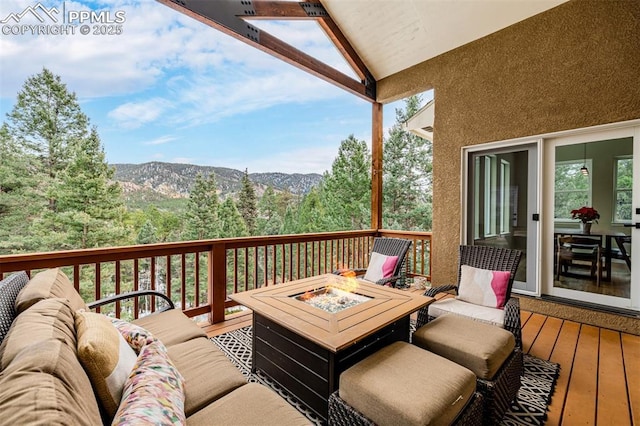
389 247
484 257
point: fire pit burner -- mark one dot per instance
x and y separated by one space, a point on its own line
331 299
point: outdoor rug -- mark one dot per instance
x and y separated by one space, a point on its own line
530 408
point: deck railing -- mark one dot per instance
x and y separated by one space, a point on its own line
199 275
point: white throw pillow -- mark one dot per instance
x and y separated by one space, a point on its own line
483 287
380 266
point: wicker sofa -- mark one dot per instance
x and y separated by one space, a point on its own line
43 379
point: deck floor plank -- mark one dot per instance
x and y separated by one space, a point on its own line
580 405
531 329
563 353
546 338
524 317
613 405
631 352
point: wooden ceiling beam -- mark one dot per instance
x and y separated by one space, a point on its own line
226 15
267 9
345 48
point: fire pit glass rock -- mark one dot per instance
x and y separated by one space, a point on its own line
331 299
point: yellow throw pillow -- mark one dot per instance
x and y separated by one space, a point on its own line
106 357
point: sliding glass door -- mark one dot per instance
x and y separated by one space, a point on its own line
592 241
502 205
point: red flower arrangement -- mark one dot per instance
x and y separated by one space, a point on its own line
586 214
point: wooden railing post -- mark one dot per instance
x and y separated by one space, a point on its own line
217 281
376 166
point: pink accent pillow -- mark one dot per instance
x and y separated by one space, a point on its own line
380 266
483 287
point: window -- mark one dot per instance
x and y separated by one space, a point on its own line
505 176
492 201
572 188
490 189
623 180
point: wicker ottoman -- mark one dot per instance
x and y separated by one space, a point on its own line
402 384
488 351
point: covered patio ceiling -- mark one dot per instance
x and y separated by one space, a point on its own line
378 38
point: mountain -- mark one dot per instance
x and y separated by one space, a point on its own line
157 181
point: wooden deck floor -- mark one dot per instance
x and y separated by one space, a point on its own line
599 382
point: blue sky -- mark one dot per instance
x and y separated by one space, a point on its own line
172 89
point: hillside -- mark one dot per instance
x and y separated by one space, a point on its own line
158 182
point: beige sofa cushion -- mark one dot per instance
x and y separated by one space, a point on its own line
46 385
48 284
170 327
207 372
480 347
252 404
106 357
402 384
47 319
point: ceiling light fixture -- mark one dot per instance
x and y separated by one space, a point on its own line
584 169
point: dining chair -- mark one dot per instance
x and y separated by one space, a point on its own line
571 249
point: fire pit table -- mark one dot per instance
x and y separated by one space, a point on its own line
306 332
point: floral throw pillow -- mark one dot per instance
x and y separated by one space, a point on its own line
135 335
483 287
380 266
154 392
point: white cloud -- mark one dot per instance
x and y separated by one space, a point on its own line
204 99
305 160
161 140
135 114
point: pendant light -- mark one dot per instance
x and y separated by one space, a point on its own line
584 169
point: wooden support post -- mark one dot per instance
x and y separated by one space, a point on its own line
376 166
217 281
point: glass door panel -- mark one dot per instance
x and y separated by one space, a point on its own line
501 205
594 213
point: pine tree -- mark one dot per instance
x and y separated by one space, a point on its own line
407 175
312 214
231 222
269 221
247 204
148 234
89 209
202 210
45 120
346 190
19 194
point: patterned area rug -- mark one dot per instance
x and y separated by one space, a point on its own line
530 408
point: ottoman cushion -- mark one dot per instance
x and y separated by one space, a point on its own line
480 347
402 384
251 404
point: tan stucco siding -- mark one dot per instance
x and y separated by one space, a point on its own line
576 65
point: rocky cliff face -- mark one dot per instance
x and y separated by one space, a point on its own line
173 180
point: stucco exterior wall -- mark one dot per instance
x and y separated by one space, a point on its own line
576 65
